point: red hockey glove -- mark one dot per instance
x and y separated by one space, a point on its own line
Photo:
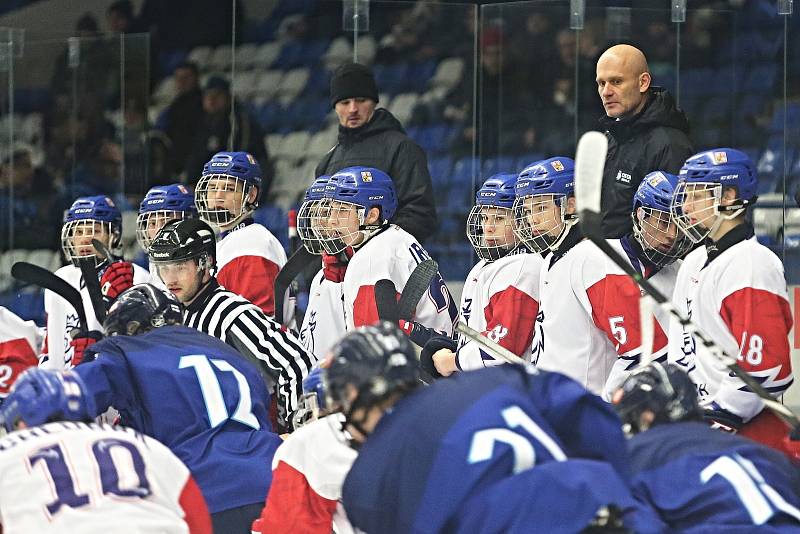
335 265
81 341
117 278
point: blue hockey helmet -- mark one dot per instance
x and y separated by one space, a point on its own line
707 174
80 222
140 309
376 362
548 180
490 223
233 172
312 213
498 190
654 225
665 390
312 402
160 205
365 188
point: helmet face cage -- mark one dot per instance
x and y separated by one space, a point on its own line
310 217
537 228
221 199
338 224
77 235
703 215
149 223
657 232
490 230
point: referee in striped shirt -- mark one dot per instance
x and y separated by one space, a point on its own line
183 254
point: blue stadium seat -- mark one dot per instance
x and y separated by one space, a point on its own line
28 304
440 173
318 83
391 78
419 74
466 171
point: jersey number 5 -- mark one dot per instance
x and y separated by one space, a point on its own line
483 441
57 469
212 391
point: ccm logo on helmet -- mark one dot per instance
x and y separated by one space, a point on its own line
83 210
729 177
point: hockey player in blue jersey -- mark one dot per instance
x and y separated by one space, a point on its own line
190 391
701 479
424 451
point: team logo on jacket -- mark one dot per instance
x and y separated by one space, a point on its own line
557 165
720 158
366 176
623 177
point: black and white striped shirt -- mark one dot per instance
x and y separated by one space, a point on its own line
241 324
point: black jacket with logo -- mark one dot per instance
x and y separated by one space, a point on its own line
656 139
383 144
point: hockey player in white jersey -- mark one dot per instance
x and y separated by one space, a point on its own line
588 325
360 202
309 468
84 477
248 255
20 345
323 322
734 289
88 218
500 297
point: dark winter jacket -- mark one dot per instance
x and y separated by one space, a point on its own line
656 139
383 144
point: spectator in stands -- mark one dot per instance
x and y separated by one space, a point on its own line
182 118
214 133
503 124
645 130
120 16
26 203
373 137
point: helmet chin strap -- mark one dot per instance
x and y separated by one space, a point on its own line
719 217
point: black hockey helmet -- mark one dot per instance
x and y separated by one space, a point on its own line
183 240
377 361
140 309
665 390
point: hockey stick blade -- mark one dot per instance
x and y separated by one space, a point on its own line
490 345
89 272
295 265
416 286
589 163
386 301
33 274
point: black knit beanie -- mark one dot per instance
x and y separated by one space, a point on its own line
352 80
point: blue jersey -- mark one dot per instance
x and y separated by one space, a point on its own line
554 497
703 480
443 443
197 396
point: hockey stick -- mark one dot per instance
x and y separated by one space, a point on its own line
416 286
490 346
589 163
295 265
33 274
89 272
386 301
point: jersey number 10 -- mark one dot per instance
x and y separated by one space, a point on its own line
61 478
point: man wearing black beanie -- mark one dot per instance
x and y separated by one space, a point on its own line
373 137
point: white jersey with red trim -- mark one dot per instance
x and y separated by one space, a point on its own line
308 471
62 317
323 323
740 300
248 260
20 345
393 254
500 299
84 478
588 326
